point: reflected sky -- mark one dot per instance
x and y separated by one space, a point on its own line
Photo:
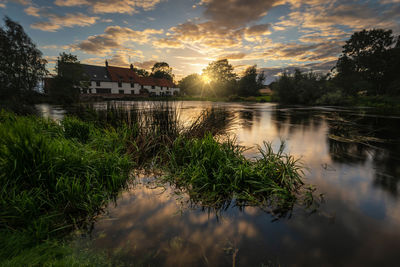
352 157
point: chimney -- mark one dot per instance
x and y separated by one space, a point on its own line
131 66
106 63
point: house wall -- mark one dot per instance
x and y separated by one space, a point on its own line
128 89
114 87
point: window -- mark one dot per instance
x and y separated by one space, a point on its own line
153 87
161 87
142 87
103 91
97 83
90 91
119 84
121 91
132 85
132 92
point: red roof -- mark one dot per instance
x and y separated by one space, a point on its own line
156 82
127 75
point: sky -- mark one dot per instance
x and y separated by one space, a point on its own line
276 35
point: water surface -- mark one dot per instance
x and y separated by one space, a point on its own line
352 157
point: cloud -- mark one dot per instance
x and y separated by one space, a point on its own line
32 11
111 6
167 43
236 13
118 60
147 65
57 22
233 56
115 37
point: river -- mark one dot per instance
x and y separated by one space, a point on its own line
352 157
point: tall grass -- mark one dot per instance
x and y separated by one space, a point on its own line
215 173
54 177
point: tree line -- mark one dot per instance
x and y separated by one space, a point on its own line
218 79
369 65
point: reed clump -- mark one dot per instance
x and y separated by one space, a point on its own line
215 173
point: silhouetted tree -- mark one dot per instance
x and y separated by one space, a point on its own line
191 84
70 79
21 63
141 72
221 76
366 61
162 70
251 82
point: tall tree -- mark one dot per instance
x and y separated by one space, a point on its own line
21 63
162 70
251 82
191 84
70 79
221 76
365 59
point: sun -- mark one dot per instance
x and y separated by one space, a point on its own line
205 79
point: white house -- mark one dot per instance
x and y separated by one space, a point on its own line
116 80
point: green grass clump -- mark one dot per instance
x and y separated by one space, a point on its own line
213 173
53 177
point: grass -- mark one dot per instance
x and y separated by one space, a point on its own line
54 177
215 173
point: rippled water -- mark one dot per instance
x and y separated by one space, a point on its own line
353 158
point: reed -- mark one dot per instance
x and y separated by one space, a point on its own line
216 173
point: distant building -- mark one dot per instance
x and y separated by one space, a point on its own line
123 81
265 91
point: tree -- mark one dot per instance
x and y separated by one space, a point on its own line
21 63
191 84
251 82
162 70
365 61
141 72
221 77
70 79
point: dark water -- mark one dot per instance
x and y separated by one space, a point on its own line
353 158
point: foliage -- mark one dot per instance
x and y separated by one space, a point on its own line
141 72
299 88
51 182
191 85
70 79
369 62
251 82
21 63
221 76
162 70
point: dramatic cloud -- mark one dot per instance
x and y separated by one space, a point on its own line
111 6
236 13
115 37
56 22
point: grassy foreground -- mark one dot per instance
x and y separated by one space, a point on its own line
56 177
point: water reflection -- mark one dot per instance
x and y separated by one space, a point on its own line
353 157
